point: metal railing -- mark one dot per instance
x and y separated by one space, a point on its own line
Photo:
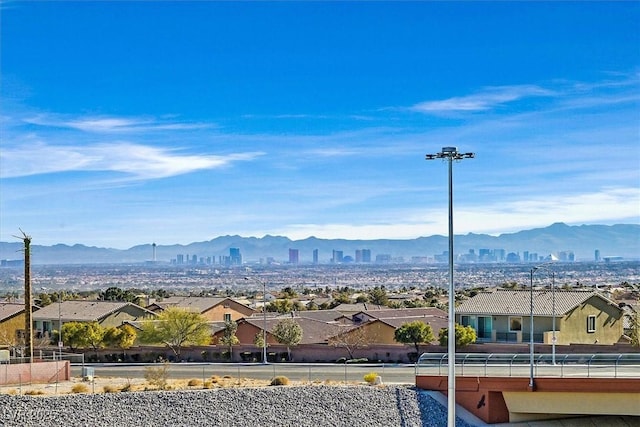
603 365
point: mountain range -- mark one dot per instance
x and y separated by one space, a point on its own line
611 240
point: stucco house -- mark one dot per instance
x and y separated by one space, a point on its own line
213 309
12 318
106 313
581 317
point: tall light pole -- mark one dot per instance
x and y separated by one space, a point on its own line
450 154
60 344
264 316
553 317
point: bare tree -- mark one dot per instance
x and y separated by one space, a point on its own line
350 337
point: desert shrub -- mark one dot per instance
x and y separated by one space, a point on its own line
227 377
34 392
157 377
215 379
371 377
194 382
207 384
109 389
80 388
280 380
126 388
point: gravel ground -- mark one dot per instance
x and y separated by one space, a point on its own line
315 406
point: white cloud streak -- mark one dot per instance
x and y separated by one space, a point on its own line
106 124
487 99
136 160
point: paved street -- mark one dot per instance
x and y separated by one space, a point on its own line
401 374
390 373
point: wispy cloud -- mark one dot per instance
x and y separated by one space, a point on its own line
486 99
135 160
107 124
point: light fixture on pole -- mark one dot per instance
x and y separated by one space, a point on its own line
264 316
450 154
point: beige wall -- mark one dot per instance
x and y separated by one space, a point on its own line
8 328
609 326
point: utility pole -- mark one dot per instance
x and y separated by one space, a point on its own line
28 333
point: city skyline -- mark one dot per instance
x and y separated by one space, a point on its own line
170 122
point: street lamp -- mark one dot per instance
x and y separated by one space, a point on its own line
451 154
264 316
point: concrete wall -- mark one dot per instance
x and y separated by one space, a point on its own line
37 372
509 399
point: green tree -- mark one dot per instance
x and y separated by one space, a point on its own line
123 337
94 334
229 337
282 306
289 333
378 296
415 333
464 335
176 327
45 299
258 340
116 294
74 335
289 292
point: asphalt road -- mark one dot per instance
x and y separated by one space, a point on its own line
390 373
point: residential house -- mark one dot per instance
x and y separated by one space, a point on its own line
379 326
212 309
12 318
106 313
581 317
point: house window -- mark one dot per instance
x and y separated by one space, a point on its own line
591 324
515 324
227 317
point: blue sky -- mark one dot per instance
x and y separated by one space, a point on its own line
125 123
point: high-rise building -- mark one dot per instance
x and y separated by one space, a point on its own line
235 258
293 256
337 257
597 255
366 255
315 256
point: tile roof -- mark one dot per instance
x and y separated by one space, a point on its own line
83 311
198 304
518 302
436 322
10 309
389 313
313 331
